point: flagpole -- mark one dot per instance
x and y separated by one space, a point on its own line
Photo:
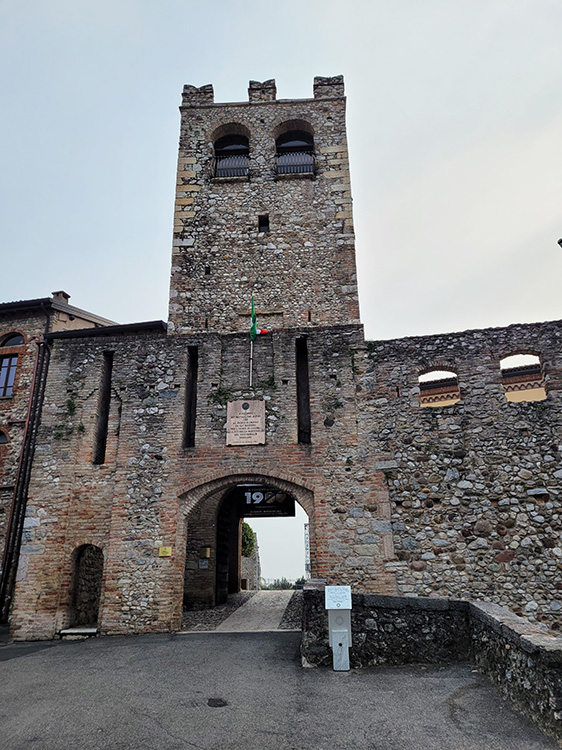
251 360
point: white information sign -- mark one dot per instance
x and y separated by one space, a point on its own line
338 597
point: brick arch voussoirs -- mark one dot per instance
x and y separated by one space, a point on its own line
191 497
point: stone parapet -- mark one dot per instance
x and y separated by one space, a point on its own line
520 658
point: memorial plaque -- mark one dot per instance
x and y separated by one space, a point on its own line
245 422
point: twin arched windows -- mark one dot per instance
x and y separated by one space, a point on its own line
294 153
522 378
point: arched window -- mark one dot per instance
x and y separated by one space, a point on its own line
523 378
439 388
232 156
295 152
3 438
13 339
9 364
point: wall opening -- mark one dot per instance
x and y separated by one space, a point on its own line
295 151
523 378
232 156
439 387
191 396
104 402
303 390
214 568
87 577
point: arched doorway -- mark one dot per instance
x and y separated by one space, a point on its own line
214 516
87 575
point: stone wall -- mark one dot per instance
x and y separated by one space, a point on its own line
153 492
302 271
389 630
31 319
13 409
251 569
519 657
476 487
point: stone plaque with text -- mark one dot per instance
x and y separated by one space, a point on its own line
245 422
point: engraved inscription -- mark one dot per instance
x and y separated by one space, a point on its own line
245 422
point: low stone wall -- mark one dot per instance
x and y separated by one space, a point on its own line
518 656
390 630
522 660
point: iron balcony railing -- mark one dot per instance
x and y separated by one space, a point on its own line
233 165
295 162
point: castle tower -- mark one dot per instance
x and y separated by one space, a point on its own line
263 208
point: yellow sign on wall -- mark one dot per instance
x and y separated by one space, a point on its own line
164 552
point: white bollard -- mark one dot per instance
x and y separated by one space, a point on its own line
338 604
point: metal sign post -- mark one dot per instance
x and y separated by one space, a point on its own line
338 604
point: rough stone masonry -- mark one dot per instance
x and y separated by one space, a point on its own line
461 500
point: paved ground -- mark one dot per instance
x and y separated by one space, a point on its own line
264 611
240 691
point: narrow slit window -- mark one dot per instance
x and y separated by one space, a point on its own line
303 391
523 378
191 396
104 403
263 223
439 388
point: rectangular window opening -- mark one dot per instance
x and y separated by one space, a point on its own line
100 443
8 367
303 391
191 396
263 223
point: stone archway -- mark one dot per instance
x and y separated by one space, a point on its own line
213 534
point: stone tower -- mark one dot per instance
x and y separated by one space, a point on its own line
263 208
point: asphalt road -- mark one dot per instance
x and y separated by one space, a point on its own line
243 691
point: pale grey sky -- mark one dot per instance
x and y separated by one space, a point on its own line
454 120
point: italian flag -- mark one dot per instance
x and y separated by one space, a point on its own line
254 330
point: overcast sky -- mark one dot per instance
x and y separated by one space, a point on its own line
454 123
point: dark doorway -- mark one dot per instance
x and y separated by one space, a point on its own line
86 585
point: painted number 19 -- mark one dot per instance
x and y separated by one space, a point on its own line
254 497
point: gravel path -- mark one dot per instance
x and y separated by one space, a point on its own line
208 619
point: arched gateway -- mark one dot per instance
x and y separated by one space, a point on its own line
213 514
